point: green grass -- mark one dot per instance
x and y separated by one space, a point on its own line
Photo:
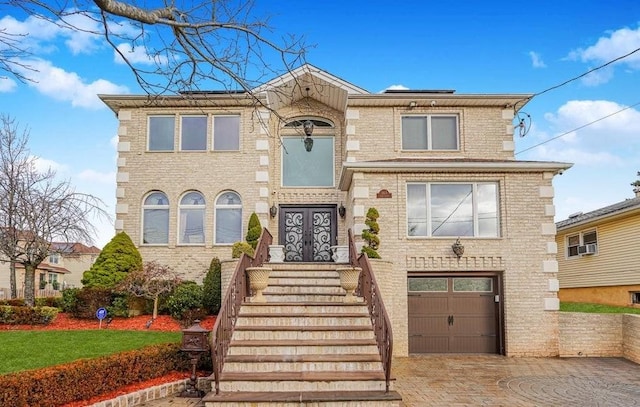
24 350
597 308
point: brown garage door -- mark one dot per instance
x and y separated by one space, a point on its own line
453 315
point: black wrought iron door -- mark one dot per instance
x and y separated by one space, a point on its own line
308 232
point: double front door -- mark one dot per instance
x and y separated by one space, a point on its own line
307 232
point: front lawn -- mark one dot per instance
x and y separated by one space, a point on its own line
23 350
597 308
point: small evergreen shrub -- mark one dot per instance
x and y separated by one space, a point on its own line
241 247
211 288
27 315
185 298
14 302
117 258
370 235
55 302
70 299
254 231
88 300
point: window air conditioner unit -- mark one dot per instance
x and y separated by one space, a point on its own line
591 248
582 249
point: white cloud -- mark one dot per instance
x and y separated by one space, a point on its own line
577 113
137 55
614 45
68 86
7 84
536 60
98 177
43 165
394 87
578 156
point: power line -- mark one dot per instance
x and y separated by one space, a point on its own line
578 128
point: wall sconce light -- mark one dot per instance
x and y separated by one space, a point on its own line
458 248
342 211
308 130
273 211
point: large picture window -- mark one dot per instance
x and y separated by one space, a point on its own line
161 133
226 133
460 209
431 132
155 219
228 219
302 168
191 223
193 133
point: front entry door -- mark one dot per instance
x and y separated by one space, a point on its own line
308 232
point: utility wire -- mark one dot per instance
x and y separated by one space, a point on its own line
578 128
577 77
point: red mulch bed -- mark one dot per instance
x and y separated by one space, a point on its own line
162 323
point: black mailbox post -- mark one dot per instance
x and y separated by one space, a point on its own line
194 342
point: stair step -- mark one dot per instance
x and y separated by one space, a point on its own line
315 328
304 289
295 399
307 297
297 342
281 321
300 308
303 358
302 381
305 281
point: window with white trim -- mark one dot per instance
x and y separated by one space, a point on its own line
161 131
454 209
155 219
191 220
582 243
54 258
193 133
226 133
430 132
228 218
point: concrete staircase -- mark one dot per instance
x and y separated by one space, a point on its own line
303 347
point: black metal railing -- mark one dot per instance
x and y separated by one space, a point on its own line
368 288
237 291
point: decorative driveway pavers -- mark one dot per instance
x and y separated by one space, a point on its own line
492 380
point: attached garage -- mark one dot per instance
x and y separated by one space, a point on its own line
454 314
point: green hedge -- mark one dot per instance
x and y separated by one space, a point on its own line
27 315
86 378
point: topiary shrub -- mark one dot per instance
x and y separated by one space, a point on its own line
370 235
254 230
119 257
241 247
212 287
185 299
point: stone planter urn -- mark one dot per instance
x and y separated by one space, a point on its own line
276 253
349 281
340 254
258 281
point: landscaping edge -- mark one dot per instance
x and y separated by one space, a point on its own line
160 391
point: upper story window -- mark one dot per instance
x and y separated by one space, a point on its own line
191 222
161 133
226 133
228 218
430 132
302 168
155 219
193 133
582 243
460 209
54 258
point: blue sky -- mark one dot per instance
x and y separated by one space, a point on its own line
469 46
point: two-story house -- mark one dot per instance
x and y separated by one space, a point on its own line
598 256
61 269
312 154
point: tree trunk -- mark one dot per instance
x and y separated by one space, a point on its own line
29 285
12 280
155 307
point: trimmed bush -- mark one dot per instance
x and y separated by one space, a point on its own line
15 302
254 231
119 257
86 378
27 315
70 299
88 300
370 235
185 300
241 247
212 287
55 302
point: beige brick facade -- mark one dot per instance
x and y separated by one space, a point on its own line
370 170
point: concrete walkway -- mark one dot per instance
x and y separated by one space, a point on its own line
491 380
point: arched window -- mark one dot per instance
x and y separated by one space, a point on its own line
228 222
191 222
155 219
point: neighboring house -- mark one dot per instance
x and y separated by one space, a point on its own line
438 166
63 268
599 255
